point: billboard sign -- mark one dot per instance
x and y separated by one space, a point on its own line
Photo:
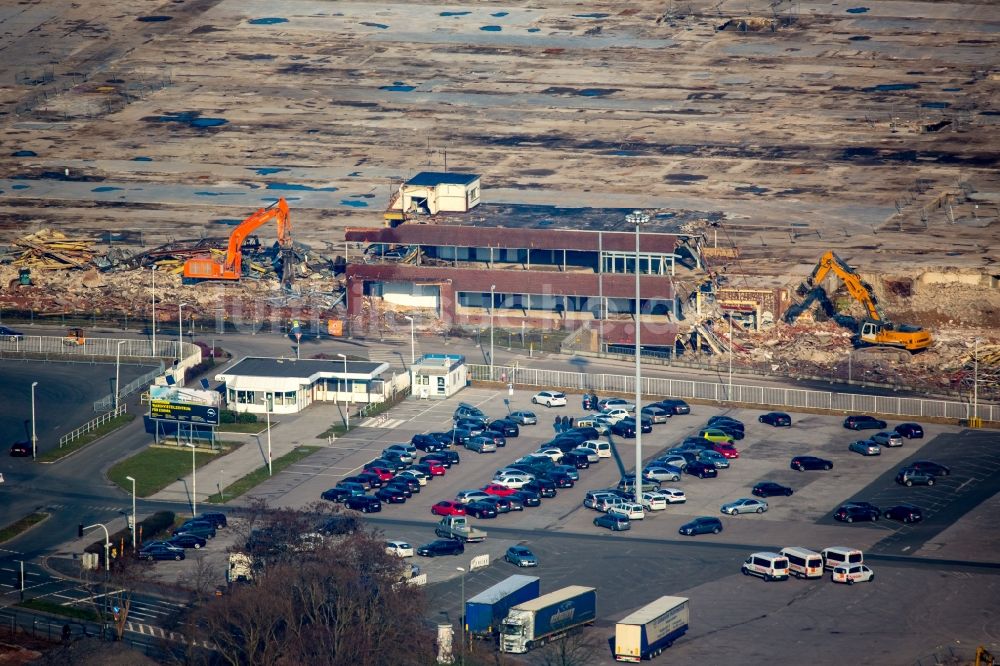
184 405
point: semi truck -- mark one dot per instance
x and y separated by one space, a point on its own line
459 527
650 630
536 622
485 611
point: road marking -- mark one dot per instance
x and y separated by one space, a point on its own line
91 598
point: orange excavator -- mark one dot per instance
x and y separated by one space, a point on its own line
875 329
231 266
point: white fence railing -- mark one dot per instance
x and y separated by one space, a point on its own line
738 393
107 347
108 401
92 424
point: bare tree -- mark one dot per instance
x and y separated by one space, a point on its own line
576 648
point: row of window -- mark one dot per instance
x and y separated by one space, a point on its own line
554 303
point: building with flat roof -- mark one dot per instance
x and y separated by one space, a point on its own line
433 192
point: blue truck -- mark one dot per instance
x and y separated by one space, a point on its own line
485 611
650 630
536 622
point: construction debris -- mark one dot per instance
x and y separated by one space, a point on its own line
53 250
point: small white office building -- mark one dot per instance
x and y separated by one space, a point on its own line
438 376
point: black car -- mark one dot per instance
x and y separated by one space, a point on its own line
561 479
578 460
160 551
442 547
363 481
336 494
702 525
582 433
720 419
623 429
776 419
20 450
863 422
216 518
473 425
373 480
396 457
850 513
505 427
910 430
340 524
459 436
481 509
363 503
394 495
501 504
802 463
426 443
528 498
906 513
407 482
204 530
188 540
675 406
446 456
771 489
734 431
701 470
544 487
647 424
423 467
915 477
930 467
391 465
400 486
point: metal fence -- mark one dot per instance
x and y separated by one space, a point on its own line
737 393
92 424
68 348
14 622
108 401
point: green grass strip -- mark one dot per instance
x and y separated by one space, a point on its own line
156 468
84 440
255 478
57 609
23 525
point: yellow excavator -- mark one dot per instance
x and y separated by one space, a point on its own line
876 328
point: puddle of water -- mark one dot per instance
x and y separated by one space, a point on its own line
490 28
624 153
859 38
19 187
294 187
752 189
220 194
951 89
142 159
191 118
892 87
534 29
275 199
267 20
499 14
989 113
684 177
380 26
267 171
454 13
594 15
106 188
208 122
353 204
597 92
857 10
24 153
154 19
935 105
354 174
397 87
229 222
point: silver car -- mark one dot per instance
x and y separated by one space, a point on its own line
523 417
673 460
481 445
662 473
714 458
889 439
865 447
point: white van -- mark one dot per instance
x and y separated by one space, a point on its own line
834 556
803 563
603 449
769 566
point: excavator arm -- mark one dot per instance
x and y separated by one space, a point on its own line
231 267
858 288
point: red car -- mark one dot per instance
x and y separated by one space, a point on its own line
448 508
380 472
497 490
726 449
434 467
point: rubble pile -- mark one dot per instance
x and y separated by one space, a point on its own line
53 250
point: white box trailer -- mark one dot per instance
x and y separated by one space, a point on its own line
650 630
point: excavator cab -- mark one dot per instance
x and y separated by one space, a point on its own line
74 337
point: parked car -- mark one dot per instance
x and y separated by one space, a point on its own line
614 522
852 573
932 467
10 334
468 496
675 406
363 481
672 459
630 510
391 495
473 425
481 445
217 518
448 508
336 494
399 486
432 467
560 478
656 413
188 540
393 465
726 449
404 482
512 479
383 473
441 547
465 410
523 417
732 430
459 436
373 480
865 447
654 501
701 470
549 399
406 452
674 495
906 513
701 525
863 422
850 513
160 551
339 524
889 439
722 419
520 556
915 477
416 475
446 457
713 457
802 463
364 504
627 484
498 490
20 450
505 427
715 435
527 498
399 548
615 403
744 505
544 487
496 437
481 509
910 430
555 453
770 489
662 473
776 419
205 530
579 458
647 425
505 504
426 442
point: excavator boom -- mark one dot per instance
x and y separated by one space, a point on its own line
231 267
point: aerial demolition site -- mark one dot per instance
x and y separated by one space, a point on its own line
815 185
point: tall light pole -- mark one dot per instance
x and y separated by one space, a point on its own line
461 612
34 437
107 541
194 482
975 384
152 271
730 318
493 290
118 363
134 526
180 330
413 352
638 218
268 405
347 405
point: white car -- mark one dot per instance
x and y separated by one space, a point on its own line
852 573
603 449
607 503
615 414
674 495
654 501
630 510
593 499
420 477
399 548
514 481
549 399
598 423
552 452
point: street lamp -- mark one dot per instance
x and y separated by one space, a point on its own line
194 482
268 406
180 329
413 353
152 271
107 542
638 218
975 384
493 300
118 362
730 318
134 526
34 438
347 406
461 612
